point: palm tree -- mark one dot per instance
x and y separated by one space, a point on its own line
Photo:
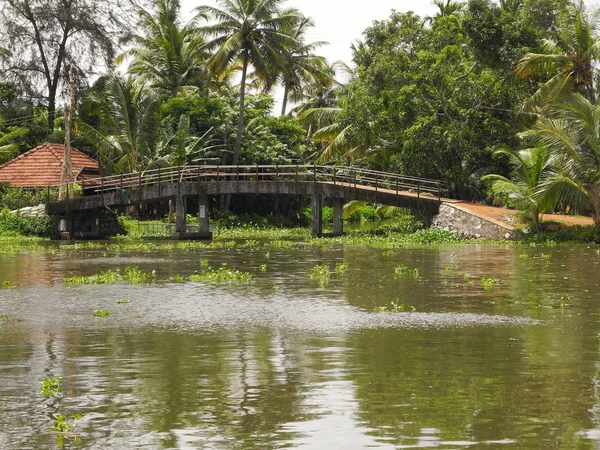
169 56
524 187
567 64
8 147
250 31
302 67
511 6
572 135
134 112
446 9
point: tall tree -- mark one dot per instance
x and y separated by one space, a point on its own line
132 136
567 64
572 135
250 31
302 67
168 56
42 37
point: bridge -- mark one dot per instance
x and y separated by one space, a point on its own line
81 215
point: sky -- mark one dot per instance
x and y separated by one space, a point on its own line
339 23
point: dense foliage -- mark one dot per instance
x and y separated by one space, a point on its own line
435 97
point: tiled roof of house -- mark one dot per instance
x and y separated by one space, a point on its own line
42 166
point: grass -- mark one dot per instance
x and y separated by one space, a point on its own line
101 313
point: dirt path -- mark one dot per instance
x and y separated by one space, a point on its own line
509 216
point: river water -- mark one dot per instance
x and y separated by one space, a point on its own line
283 362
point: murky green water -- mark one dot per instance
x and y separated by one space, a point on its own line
283 363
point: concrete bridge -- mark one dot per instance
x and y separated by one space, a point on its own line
82 215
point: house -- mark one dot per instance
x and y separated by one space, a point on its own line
42 166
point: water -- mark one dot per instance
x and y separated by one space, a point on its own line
283 363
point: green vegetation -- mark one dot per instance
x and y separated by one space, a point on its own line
122 300
51 387
498 101
132 275
320 273
101 313
395 306
62 425
14 225
223 274
489 283
402 271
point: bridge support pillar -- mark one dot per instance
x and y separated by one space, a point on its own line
180 222
317 214
338 216
65 226
180 225
203 224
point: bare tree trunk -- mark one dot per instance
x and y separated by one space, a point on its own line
66 175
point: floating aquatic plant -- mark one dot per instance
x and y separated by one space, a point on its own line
101 313
395 306
51 387
341 268
132 275
402 270
489 283
223 274
320 273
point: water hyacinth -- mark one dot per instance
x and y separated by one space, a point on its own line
132 275
320 273
223 274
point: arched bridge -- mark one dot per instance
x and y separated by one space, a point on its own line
338 183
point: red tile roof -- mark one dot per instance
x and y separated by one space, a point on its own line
42 166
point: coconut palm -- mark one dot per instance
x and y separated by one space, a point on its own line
568 63
168 56
445 9
250 31
135 122
8 147
572 135
512 7
524 187
301 67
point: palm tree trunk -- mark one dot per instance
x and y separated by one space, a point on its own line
238 140
595 200
285 99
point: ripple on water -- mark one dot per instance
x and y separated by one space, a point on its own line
190 307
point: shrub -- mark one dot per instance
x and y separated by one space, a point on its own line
13 225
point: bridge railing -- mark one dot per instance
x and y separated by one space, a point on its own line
301 173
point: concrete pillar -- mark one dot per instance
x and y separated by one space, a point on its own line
180 214
317 214
203 214
65 226
338 216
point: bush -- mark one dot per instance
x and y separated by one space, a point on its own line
305 215
13 225
17 198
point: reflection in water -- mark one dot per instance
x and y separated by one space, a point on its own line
284 363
